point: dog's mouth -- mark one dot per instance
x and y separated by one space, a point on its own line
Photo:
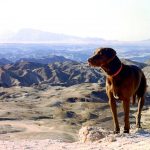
90 62
93 64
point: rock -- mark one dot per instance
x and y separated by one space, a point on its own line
72 99
111 138
70 114
91 134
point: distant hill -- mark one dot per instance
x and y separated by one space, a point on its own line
37 36
45 60
130 62
4 61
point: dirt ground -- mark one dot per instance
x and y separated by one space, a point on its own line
56 113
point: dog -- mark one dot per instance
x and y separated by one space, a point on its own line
123 82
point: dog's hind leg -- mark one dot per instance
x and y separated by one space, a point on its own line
140 106
140 94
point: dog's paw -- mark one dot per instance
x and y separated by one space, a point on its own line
126 131
116 132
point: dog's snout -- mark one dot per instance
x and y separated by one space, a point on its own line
90 59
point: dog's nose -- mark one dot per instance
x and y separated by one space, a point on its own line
89 60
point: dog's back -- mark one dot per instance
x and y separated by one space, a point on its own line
136 76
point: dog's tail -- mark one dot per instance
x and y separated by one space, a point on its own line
141 90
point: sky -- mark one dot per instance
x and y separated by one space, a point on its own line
124 20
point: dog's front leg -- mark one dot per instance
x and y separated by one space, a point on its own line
112 103
126 106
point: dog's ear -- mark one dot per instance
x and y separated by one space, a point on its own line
110 52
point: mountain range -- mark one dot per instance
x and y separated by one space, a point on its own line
30 73
66 73
38 36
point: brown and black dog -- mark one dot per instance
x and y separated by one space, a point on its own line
123 82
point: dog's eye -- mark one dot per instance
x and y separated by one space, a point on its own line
100 53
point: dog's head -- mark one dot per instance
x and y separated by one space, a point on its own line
102 56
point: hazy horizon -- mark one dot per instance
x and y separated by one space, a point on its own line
28 35
110 20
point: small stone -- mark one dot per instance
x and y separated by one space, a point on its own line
111 139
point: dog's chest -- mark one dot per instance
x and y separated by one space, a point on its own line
115 86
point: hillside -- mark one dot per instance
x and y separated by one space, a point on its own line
28 73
